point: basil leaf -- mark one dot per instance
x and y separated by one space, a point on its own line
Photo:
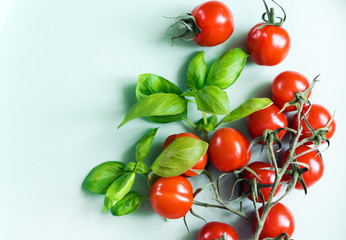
118 189
102 176
226 70
149 84
246 108
128 204
189 93
211 123
144 144
159 104
196 72
181 155
213 100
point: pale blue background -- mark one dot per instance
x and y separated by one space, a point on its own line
68 71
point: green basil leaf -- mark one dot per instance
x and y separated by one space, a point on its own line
144 144
213 100
211 123
128 204
250 106
189 93
130 167
159 104
102 176
196 72
141 167
226 70
181 155
118 189
149 84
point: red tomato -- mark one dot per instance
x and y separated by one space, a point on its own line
228 149
266 176
268 45
199 165
279 220
318 117
314 161
171 197
284 87
215 230
215 20
267 118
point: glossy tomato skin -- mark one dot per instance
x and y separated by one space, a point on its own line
216 22
268 45
228 149
313 159
266 176
318 117
215 230
267 118
200 165
284 87
279 220
171 197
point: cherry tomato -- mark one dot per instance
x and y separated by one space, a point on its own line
215 20
267 118
279 220
215 230
171 197
266 176
268 45
317 117
284 87
228 149
199 165
314 161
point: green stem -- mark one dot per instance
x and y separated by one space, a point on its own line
279 175
222 206
189 122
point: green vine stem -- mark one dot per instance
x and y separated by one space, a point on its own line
279 174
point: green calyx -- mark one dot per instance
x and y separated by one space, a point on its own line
184 28
269 16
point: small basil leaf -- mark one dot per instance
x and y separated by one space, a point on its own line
159 104
196 72
226 70
189 93
250 106
144 144
149 84
118 189
181 155
213 100
141 167
211 123
102 176
128 204
130 167
167 119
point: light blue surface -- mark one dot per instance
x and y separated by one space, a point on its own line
68 71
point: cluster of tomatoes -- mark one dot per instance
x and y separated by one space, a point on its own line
229 150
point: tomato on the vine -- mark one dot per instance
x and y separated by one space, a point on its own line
171 197
268 118
313 159
215 230
229 149
215 20
199 166
318 117
279 220
284 87
266 175
267 45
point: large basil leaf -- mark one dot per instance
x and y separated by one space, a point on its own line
196 72
149 84
159 104
102 176
144 144
246 108
118 189
128 204
181 155
226 70
213 100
